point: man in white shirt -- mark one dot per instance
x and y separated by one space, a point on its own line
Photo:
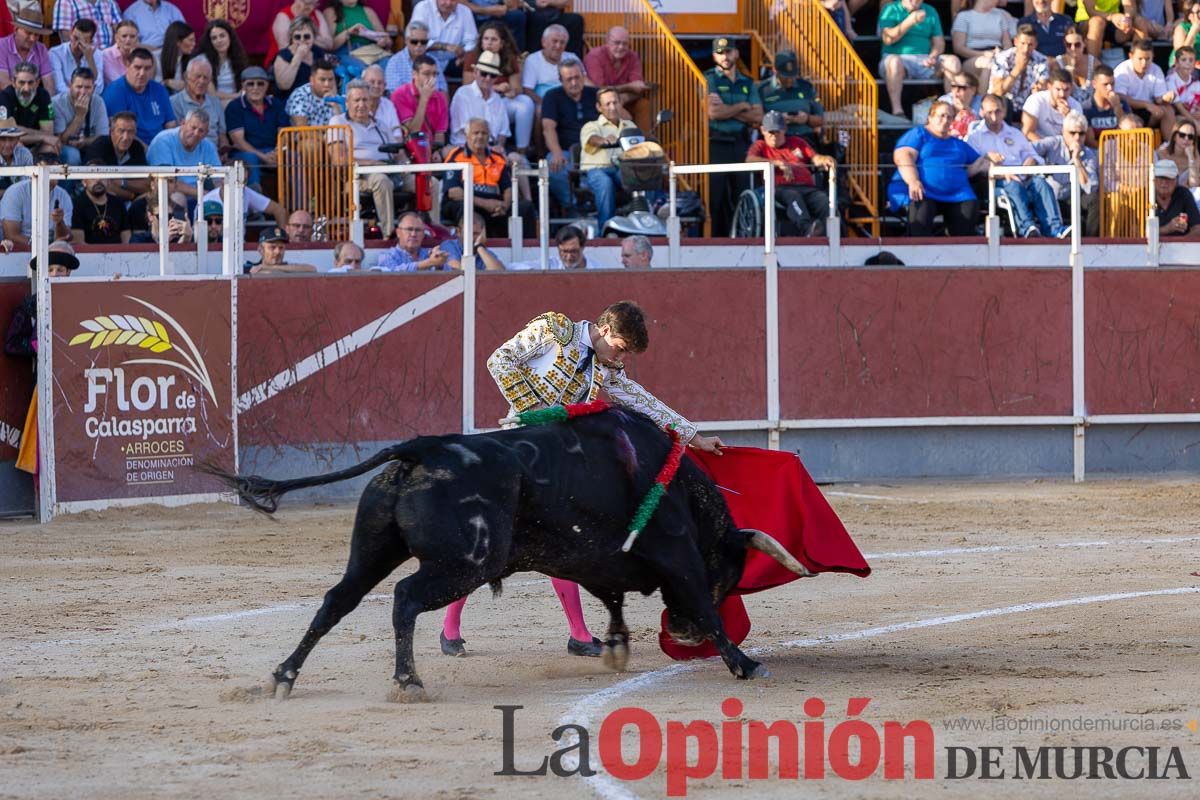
479 100
368 137
598 156
452 32
1004 145
1141 84
539 73
1044 111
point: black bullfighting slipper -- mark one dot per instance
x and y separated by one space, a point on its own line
590 649
452 647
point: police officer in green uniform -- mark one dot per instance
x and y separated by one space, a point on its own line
734 111
794 97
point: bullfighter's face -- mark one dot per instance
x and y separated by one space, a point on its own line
610 348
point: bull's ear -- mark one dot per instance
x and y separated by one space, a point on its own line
764 543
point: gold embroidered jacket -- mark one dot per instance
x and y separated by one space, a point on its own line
540 366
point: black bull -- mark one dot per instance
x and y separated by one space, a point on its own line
555 499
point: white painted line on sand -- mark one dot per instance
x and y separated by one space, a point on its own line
585 708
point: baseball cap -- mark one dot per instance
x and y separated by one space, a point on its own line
255 74
1166 168
212 209
774 121
785 64
721 44
273 234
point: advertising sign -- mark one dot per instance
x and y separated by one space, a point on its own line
143 388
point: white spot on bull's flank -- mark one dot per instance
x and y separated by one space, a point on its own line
575 528
469 458
475 498
479 551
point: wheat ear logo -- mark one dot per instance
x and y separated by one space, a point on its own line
130 330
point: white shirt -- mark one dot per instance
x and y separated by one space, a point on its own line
251 200
1049 120
367 138
469 103
1009 142
459 29
387 119
1147 89
538 74
153 22
984 31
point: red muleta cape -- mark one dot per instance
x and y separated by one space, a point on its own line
771 491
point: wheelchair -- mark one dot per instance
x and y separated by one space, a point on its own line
749 215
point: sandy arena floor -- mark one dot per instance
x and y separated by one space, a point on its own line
136 643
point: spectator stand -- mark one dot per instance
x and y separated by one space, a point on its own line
1127 186
846 86
681 86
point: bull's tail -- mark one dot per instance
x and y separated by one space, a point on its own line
263 493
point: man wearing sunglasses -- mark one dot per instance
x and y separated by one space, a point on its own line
253 121
399 70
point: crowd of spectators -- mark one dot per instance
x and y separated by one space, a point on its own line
499 84
1038 87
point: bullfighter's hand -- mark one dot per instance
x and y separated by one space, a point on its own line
709 444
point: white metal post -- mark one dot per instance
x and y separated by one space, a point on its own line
1079 404
992 224
164 216
543 214
833 225
468 339
771 265
40 246
673 227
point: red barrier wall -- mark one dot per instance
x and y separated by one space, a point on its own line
405 383
910 342
707 333
1143 341
16 376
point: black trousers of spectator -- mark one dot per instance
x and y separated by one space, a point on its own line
1089 212
960 217
497 227
806 208
543 18
725 187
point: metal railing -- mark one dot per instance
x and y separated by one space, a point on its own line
313 177
681 86
1127 208
844 83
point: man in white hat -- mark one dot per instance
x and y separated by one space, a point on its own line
24 45
12 154
478 100
1177 212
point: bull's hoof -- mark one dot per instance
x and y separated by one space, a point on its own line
755 670
615 655
588 649
408 690
281 684
452 647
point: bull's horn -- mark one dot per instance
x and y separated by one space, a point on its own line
764 543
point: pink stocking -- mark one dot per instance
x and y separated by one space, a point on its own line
568 595
451 624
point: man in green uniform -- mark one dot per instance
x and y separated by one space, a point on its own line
794 97
734 111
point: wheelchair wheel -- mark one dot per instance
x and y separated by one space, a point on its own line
747 215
